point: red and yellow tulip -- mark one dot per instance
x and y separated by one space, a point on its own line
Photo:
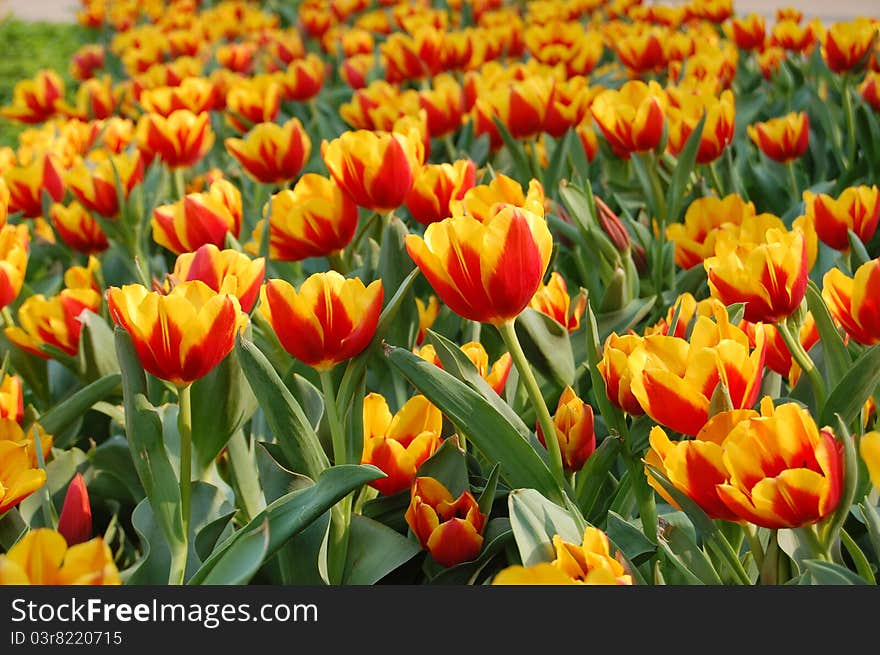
495 375
553 300
77 228
53 321
228 270
180 140
853 302
42 557
182 335
14 249
575 430
328 320
845 45
451 529
684 113
95 181
272 153
19 476
199 218
195 94
856 208
615 371
11 398
784 138
434 188
35 100
252 101
303 78
748 32
428 313
398 445
631 118
27 182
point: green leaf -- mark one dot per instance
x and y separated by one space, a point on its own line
623 319
535 520
522 170
222 401
240 562
283 413
872 524
480 422
701 521
592 477
374 551
487 498
547 345
553 172
394 265
96 355
855 387
834 352
628 538
684 553
684 166
61 415
448 465
496 537
291 514
829 573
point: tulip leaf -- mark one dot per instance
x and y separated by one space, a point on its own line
522 169
684 166
628 316
456 362
285 416
835 354
374 551
394 265
680 548
96 356
628 538
61 415
592 477
292 513
855 387
535 520
547 345
480 422
222 401
448 465
240 562
701 521
872 523
858 254
821 572
553 172
487 498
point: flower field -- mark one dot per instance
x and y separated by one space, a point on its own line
471 292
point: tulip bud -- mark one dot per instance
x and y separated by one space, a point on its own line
75 522
575 430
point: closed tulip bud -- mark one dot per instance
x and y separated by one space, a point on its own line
182 335
329 320
588 563
427 315
77 228
95 182
856 209
314 219
199 218
575 430
75 520
674 379
748 32
851 301
616 372
53 321
35 100
451 529
770 277
782 139
257 100
272 153
398 445
434 188
495 375
11 398
14 249
553 300
195 94
42 557
303 78
27 183
179 140
375 169
631 118
228 269
845 45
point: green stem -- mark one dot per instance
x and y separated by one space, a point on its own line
337 262
508 335
820 550
803 359
792 181
755 544
850 123
451 150
716 179
340 514
651 165
732 559
180 551
179 185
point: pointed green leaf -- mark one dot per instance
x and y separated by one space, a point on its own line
855 387
684 166
547 345
829 573
374 551
448 465
535 520
592 477
834 352
61 415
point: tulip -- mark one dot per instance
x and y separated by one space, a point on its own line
688 309
77 228
615 371
451 529
788 34
748 32
495 375
95 183
86 60
53 321
229 269
778 358
641 49
180 140
575 430
353 70
399 445
587 563
412 56
238 57
303 78
853 303
444 105
565 42
870 90
784 471
11 398
195 94
378 106
19 477
27 183
427 315
257 100
770 59
846 44
180 336
770 277
782 139
631 118
272 153
199 218
75 521
486 272
32 438
14 247
375 169
856 209
329 320
434 188
869 449
674 379
314 219
569 106
35 100
552 299
718 128
84 277
483 200
42 557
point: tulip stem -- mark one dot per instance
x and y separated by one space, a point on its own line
651 164
755 544
792 181
184 428
340 514
803 359
716 179
179 185
850 123
508 335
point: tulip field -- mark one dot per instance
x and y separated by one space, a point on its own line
463 292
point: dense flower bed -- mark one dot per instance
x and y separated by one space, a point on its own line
343 292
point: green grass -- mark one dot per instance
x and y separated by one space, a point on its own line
27 47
